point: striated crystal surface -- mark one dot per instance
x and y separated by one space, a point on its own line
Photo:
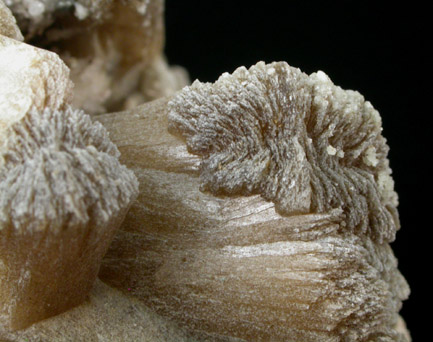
63 190
265 205
298 140
63 195
265 211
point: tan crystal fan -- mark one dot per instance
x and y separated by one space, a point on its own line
268 218
136 207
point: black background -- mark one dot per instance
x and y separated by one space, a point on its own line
380 49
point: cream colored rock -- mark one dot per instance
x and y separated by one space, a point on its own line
35 16
31 79
8 25
113 48
265 211
107 315
160 80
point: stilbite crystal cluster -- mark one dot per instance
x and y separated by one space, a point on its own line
63 190
63 194
265 205
297 140
267 216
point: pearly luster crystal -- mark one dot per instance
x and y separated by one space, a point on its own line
266 204
265 216
63 190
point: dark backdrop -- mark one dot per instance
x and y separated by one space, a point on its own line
379 49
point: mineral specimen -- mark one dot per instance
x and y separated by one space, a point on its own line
8 25
107 315
298 141
30 79
267 217
63 191
265 205
113 48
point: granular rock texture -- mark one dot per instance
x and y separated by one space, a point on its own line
74 164
107 315
266 217
35 16
8 25
30 79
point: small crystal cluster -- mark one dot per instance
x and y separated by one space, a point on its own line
298 140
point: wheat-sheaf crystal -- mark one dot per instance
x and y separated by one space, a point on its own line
61 170
298 140
63 194
259 207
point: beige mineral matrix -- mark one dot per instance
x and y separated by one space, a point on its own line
264 206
